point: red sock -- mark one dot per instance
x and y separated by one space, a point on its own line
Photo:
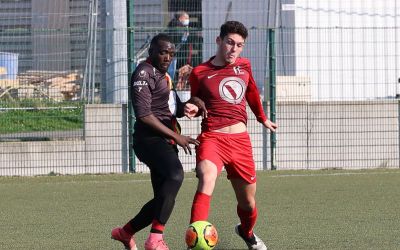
247 220
200 207
157 227
128 228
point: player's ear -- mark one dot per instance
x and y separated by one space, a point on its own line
218 40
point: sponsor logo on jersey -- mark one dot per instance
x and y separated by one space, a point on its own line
140 83
142 74
237 70
232 89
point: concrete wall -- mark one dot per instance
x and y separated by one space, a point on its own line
311 135
322 135
344 135
103 149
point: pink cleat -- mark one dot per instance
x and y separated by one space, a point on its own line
119 234
155 245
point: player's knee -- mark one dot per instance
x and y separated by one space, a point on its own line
247 204
206 171
177 177
207 177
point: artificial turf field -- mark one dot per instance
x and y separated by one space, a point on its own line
331 209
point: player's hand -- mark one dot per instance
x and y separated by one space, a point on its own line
200 104
270 125
190 110
183 75
185 141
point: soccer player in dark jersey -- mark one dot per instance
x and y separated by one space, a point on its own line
156 138
225 82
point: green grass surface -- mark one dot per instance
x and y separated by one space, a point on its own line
16 121
297 210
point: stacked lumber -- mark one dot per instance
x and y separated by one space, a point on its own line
7 83
56 85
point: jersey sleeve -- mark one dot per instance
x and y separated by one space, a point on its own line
180 106
141 93
253 98
194 83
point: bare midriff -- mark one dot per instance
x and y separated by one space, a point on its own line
232 129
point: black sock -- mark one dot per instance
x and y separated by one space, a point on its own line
251 240
156 231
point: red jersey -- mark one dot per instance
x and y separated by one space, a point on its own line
225 90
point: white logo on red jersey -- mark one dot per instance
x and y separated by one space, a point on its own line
237 70
232 89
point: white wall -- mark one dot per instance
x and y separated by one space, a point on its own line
349 49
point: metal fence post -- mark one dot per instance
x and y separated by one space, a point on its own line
131 68
272 91
265 106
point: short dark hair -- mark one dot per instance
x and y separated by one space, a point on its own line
235 27
159 37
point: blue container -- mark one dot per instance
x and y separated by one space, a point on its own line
8 66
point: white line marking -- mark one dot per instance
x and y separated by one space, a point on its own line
334 174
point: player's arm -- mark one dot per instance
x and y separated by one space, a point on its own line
194 99
141 101
253 99
181 140
189 108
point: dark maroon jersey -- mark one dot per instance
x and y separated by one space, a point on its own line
151 94
225 90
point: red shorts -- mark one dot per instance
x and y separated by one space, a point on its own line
233 151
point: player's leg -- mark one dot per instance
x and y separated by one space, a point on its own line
167 177
145 216
247 212
246 207
207 174
242 174
209 165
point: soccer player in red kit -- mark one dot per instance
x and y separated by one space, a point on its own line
225 82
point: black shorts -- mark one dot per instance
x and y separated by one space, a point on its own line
160 156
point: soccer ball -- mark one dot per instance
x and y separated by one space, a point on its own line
201 235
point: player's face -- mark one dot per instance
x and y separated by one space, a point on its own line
230 47
161 56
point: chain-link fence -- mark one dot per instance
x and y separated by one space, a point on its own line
65 66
